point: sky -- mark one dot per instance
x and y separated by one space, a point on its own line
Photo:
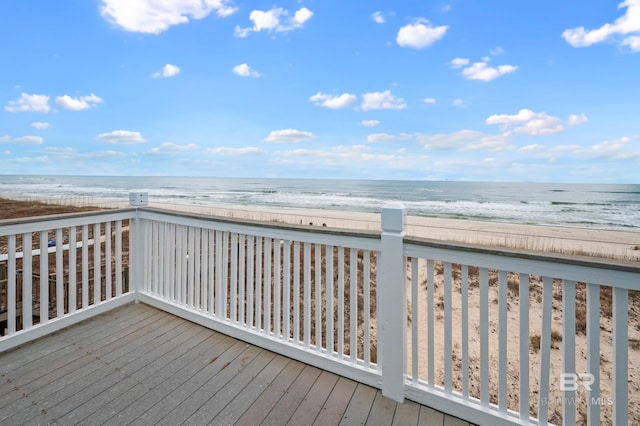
456 90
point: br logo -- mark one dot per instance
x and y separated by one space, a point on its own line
569 381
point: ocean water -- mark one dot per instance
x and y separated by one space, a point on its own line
603 206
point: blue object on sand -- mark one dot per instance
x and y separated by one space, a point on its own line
51 243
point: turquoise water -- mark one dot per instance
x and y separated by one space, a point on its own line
612 206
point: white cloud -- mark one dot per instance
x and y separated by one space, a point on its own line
103 154
334 102
382 100
288 135
244 70
419 34
459 62
482 71
40 125
301 16
121 137
381 137
170 147
5 138
533 148
58 150
77 104
168 70
385 137
276 19
626 25
633 42
29 140
27 102
577 119
429 100
154 17
465 140
349 156
496 51
369 123
222 150
458 102
378 18
614 149
528 122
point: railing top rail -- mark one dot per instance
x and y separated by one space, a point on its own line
41 223
274 229
557 258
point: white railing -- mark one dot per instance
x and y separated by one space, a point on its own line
521 337
60 270
491 336
305 294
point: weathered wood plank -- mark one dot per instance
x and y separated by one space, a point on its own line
219 399
188 388
75 350
429 417
138 365
160 395
454 421
292 398
314 400
382 411
47 377
127 374
181 357
335 406
16 358
236 408
359 407
406 414
271 395
54 398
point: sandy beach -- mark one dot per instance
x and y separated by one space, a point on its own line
608 244
611 245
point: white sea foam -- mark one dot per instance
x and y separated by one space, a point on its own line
584 205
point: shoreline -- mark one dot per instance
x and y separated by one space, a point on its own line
599 243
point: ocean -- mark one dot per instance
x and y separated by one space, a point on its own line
597 206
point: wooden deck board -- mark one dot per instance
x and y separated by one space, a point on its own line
287 405
22 369
52 375
263 405
360 406
181 393
220 399
127 378
308 410
236 408
158 392
70 390
406 414
139 365
335 406
181 356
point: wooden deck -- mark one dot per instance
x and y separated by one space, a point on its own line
138 365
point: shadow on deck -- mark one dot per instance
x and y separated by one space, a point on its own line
140 365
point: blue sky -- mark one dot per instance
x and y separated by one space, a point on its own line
443 90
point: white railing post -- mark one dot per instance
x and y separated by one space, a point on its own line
392 303
136 244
